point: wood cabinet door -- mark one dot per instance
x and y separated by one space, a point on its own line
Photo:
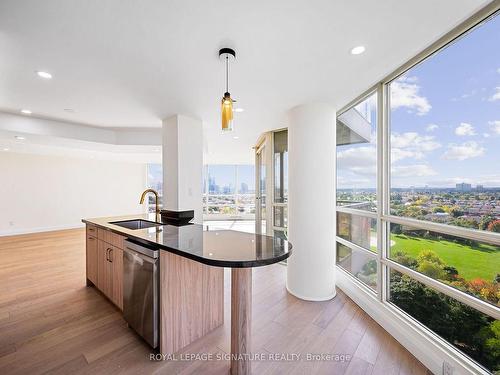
118 240
104 268
117 262
92 259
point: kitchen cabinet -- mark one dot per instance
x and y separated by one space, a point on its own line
117 276
105 263
104 269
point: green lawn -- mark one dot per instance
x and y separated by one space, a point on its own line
482 261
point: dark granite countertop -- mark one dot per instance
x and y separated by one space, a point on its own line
215 247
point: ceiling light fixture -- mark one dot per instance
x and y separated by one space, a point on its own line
227 101
239 110
26 111
236 137
45 75
6 149
358 50
19 137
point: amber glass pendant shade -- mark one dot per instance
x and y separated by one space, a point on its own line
227 113
227 101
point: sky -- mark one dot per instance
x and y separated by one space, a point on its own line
225 175
445 120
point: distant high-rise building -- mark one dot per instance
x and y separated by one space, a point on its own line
479 188
463 187
244 188
212 186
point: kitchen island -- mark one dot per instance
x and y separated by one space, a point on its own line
191 285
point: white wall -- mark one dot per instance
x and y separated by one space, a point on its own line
39 193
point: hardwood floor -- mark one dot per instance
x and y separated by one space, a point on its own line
50 322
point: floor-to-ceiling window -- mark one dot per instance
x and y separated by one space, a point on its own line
418 192
229 192
154 181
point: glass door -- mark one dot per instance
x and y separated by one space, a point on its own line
280 185
271 182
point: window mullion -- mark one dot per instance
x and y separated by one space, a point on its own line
380 193
352 211
352 245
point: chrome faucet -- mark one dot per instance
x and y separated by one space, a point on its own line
157 208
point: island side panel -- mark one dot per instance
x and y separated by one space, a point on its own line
191 301
213 297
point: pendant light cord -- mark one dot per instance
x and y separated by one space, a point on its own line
227 73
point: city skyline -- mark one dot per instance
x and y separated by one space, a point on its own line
222 178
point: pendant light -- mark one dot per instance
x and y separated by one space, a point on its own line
227 101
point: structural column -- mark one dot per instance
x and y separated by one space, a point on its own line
183 165
311 210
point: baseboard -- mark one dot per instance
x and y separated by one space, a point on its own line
325 298
423 344
14 232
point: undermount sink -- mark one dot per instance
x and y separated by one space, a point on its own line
136 224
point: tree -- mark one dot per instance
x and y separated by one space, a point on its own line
451 273
485 221
471 331
431 269
488 341
456 212
403 258
494 226
429 256
396 229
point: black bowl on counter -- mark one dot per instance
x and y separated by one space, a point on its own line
176 217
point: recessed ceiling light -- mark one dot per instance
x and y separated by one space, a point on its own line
20 137
236 137
45 75
26 111
358 50
6 149
238 109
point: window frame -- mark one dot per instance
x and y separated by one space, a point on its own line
383 215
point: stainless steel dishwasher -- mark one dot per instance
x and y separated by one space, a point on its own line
141 290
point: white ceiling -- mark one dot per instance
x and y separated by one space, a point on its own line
132 63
